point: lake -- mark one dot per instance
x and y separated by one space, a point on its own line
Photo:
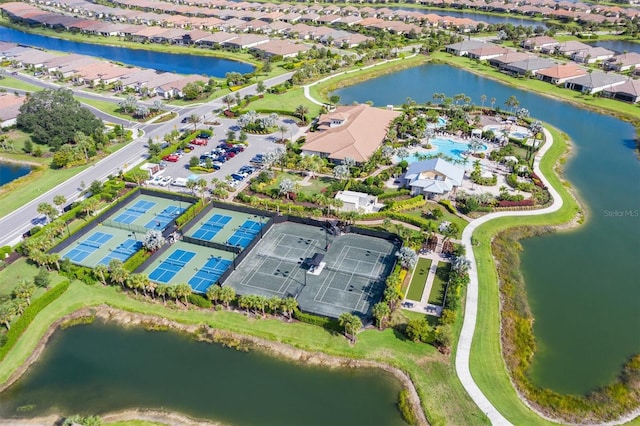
514 20
11 171
99 368
161 61
618 46
582 285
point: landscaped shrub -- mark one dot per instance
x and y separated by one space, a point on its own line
394 194
410 204
190 213
199 301
137 259
522 203
326 323
447 205
28 316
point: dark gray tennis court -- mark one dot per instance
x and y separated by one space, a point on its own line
352 278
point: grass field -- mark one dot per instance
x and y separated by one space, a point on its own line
419 279
13 83
287 101
436 296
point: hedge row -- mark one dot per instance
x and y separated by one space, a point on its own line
199 301
21 325
324 322
190 213
447 205
138 258
410 204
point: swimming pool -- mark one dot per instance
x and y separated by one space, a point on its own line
447 147
440 123
517 133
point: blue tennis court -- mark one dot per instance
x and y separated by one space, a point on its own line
88 246
209 274
245 234
132 213
211 227
164 217
123 252
169 267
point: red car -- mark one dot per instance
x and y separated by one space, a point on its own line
200 141
171 157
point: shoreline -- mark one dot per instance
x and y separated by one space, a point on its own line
19 162
214 335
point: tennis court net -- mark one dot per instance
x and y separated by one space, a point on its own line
90 244
131 209
357 274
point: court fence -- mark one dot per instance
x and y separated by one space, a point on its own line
126 226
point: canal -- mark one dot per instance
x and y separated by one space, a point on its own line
11 171
582 285
99 368
161 61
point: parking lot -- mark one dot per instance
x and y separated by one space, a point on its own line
256 144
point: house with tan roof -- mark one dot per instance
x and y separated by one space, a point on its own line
540 42
559 73
488 52
283 48
355 131
622 62
174 88
629 91
9 108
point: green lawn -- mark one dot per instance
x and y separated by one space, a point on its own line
287 101
436 296
443 398
315 185
446 216
13 83
487 365
105 106
419 279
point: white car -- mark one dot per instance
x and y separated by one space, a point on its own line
166 180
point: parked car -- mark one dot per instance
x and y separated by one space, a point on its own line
184 119
171 157
165 181
204 136
237 177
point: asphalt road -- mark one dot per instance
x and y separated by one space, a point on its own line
13 225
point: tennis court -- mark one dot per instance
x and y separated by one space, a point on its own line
122 252
163 218
170 266
243 236
209 274
352 279
199 266
211 227
132 213
86 247
228 227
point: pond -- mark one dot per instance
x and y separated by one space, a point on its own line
582 285
10 172
99 368
161 61
618 46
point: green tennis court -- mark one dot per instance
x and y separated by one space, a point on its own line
352 278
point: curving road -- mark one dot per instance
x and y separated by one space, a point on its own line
13 225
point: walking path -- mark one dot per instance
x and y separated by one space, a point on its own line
463 351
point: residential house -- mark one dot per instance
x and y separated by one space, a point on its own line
246 41
434 178
568 48
594 82
539 43
283 48
174 88
355 131
9 108
559 73
360 202
629 91
623 62
463 48
592 55
488 51
528 66
502 61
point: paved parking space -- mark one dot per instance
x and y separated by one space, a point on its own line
256 144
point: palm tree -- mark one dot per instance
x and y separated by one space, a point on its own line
283 130
118 274
512 102
493 102
195 120
59 200
351 324
285 187
201 186
302 111
213 293
288 305
274 303
407 257
483 99
100 272
341 172
380 312
227 294
7 311
162 290
24 291
228 99
191 185
183 290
